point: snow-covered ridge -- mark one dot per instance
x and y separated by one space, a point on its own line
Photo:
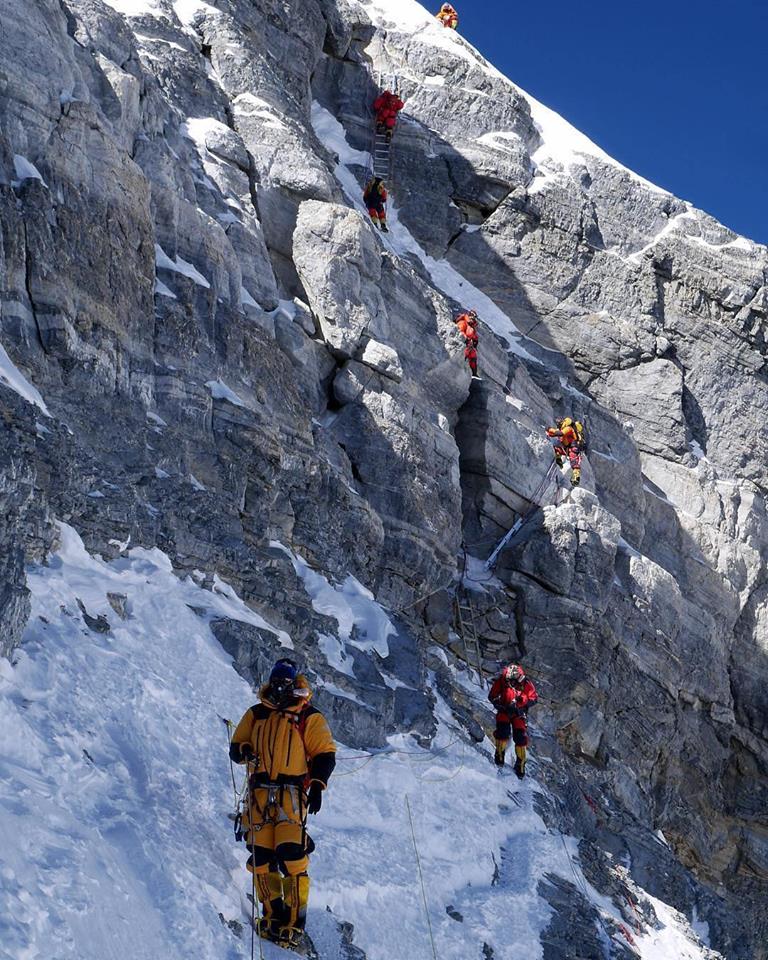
562 144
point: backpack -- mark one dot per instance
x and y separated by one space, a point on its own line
581 433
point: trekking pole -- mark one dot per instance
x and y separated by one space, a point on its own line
255 911
421 877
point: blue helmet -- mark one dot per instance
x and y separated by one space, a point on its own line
284 670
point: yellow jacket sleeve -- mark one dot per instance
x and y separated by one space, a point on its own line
242 734
320 748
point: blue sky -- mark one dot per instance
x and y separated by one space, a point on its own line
677 91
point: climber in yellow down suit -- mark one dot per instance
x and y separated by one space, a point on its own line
290 754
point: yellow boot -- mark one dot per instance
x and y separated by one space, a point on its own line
274 911
296 894
521 754
501 752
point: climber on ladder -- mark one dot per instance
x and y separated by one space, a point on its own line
467 324
375 198
513 694
448 16
569 437
386 107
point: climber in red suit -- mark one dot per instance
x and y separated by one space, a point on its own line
386 107
513 694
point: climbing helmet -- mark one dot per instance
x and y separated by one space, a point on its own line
514 673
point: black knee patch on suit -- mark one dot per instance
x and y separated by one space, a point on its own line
520 738
260 856
309 845
503 730
289 852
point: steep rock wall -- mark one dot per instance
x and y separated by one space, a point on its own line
233 358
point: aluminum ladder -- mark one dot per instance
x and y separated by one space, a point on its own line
467 630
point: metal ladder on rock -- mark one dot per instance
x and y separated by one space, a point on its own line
467 629
382 144
382 156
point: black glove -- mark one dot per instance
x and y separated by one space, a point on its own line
246 751
314 796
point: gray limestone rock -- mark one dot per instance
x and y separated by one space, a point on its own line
231 355
339 265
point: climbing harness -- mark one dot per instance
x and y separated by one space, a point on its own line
537 495
421 877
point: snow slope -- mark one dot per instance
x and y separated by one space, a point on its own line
115 789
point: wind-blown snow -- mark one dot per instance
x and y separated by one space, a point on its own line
220 391
332 135
362 622
26 170
198 128
12 377
163 291
563 145
179 265
246 299
187 10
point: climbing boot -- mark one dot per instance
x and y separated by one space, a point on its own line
501 752
296 893
267 930
274 910
384 228
575 477
298 942
520 753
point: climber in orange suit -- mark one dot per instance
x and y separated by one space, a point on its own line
448 16
467 324
569 437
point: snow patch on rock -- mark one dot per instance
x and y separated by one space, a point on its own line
12 377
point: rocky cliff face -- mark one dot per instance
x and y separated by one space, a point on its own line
229 363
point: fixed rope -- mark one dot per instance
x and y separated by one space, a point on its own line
421 877
537 494
255 911
229 725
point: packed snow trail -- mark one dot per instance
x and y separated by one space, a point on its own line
115 790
